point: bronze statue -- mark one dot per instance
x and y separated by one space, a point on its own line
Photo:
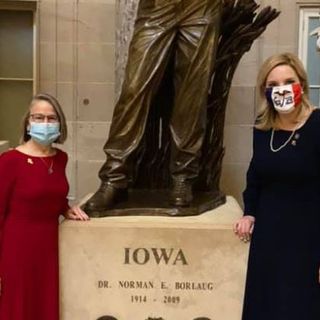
166 127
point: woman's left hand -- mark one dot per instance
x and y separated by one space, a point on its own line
76 213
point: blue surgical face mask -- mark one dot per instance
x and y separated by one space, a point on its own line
44 133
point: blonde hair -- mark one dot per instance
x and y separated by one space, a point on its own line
267 114
58 110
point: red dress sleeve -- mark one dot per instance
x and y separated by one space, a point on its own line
8 170
66 206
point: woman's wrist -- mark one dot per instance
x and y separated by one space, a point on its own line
250 217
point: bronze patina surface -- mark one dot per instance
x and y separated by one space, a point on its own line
148 202
166 134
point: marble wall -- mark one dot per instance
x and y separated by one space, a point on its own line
76 56
4 145
81 62
281 35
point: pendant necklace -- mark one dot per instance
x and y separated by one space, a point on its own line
285 143
50 167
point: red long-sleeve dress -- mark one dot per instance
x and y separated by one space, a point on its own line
31 200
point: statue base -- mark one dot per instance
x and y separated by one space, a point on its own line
146 202
153 268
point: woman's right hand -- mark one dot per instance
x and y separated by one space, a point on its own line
76 213
243 228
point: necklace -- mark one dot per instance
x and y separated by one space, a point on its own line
285 143
49 167
298 126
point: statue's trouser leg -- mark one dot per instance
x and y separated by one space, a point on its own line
195 57
152 40
194 23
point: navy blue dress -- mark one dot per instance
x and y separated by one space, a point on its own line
283 193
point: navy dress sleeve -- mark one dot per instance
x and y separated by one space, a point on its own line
252 190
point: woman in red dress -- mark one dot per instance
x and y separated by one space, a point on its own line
33 193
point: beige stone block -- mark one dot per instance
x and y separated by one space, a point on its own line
87 177
48 87
65 95
59 1
72 179
233 179
247 71
66 21
69 148
96 62
4 145
98 1
240 108
47 21
83 173
64 92
96 101
238 143
91 138
47 61
288 23
157 267
271 34
274 3
289 48
65 61
269 50
96 22
69 145
70 173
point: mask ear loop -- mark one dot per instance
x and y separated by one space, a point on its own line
29 125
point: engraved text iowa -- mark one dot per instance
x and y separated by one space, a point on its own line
168 256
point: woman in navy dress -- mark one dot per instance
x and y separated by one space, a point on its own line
282 198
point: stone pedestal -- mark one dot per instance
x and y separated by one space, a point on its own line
143 268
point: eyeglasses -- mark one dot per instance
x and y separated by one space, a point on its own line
38 117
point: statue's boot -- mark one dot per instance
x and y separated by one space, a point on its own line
181 192
105 198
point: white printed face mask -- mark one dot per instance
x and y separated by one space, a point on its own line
284 98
